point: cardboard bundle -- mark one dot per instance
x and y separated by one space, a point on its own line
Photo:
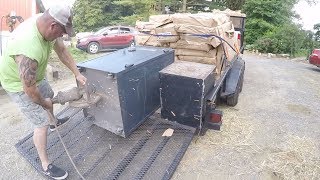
200 19
147 39
162 19
167 33
193 45
193 36
234 16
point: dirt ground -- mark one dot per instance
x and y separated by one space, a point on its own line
273 132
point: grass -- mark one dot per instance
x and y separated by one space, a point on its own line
78 55
303 53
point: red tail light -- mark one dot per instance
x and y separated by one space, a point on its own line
239 36
215 116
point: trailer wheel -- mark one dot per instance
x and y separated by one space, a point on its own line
241 81
233 99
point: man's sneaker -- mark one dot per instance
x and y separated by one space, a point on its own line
59 123
55 173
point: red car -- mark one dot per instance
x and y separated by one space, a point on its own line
113 37
314 58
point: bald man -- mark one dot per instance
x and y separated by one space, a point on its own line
22 73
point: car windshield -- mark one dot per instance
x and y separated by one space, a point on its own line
100 31
316 51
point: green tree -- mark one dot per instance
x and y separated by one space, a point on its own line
128 12
316 27
90 15
263 16
234 4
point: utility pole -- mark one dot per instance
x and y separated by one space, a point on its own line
184 6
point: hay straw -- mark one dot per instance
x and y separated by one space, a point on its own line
298 158
236 154
236 132
236 140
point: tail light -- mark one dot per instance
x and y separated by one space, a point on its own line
215 116
214 120
239 36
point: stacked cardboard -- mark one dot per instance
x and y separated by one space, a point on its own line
191 35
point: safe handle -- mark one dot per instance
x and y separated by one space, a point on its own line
128 65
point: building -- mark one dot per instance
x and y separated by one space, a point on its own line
12 12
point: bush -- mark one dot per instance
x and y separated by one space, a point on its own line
303 53
266 45
288 39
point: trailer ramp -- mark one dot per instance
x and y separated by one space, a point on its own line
100 154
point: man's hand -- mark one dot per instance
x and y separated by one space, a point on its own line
81 79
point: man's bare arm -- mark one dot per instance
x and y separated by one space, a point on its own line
66 58
28 75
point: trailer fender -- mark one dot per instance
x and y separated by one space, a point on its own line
234 78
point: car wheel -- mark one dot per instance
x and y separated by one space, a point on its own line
93 48
132 43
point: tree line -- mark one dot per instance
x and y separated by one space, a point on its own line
269 24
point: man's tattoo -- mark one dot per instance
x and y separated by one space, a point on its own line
28 70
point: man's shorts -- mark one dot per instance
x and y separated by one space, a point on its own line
33 112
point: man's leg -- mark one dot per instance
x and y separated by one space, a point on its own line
39 117
40 133
40 141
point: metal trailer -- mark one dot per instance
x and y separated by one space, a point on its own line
146 153
193 101
225 89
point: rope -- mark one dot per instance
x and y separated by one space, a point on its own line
53 119
196 35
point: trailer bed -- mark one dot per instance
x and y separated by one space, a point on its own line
100 154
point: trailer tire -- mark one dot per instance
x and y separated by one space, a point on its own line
241 81
233 99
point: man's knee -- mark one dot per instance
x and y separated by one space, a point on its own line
42 129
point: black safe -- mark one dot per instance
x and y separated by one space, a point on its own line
128 81
183 86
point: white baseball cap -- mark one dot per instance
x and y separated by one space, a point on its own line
63 14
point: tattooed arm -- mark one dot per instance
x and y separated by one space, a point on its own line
28 73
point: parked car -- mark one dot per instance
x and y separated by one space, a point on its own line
314 58
81 35
112 37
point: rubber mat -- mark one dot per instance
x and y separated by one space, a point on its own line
100 154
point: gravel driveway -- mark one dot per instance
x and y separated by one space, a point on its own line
273 132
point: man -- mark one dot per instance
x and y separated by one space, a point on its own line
22 71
